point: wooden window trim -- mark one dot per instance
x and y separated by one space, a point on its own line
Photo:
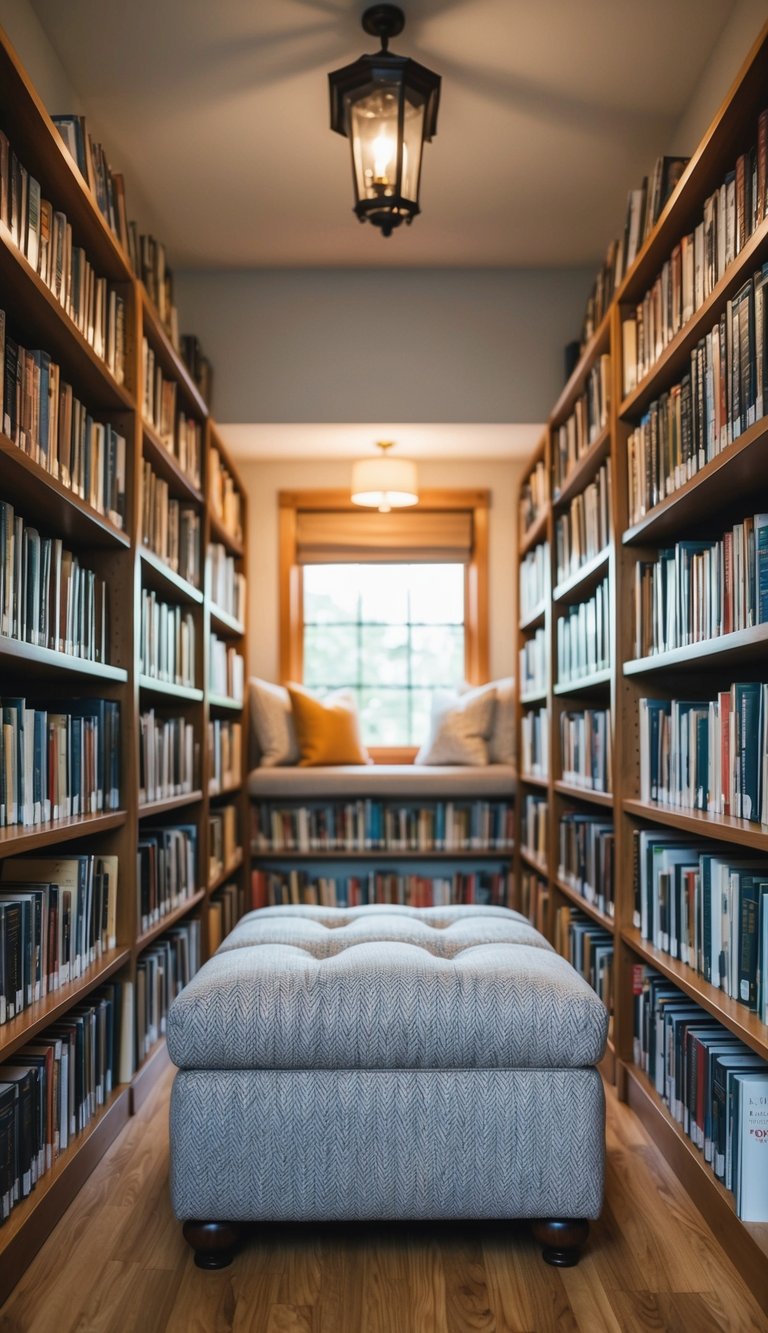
477 502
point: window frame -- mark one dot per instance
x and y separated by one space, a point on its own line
291 629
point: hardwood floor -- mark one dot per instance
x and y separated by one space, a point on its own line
117 1263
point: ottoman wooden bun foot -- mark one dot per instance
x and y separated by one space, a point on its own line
214 1243
562 1240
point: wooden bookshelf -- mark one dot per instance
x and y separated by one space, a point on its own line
35 317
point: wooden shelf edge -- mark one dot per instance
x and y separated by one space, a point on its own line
566 589
589 909
742 1022
174 362
597 452
42 1013
149 808
230 790
148 1074
740 643
173 581
15 839
99 527
535 533
166 462
223 701
18 651
225 874
170 919
591 682
32 1221
535 620
594 348
724 828
224 622
223 535
533 697
533 780
185 693
534 862
577 793
746 1244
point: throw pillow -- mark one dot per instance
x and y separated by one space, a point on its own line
327 730
501 749
272 724
461 728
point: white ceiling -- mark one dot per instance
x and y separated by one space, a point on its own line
218 109
440 441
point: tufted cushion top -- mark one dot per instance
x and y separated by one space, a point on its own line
386 988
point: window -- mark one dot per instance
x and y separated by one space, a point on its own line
393 633
393 606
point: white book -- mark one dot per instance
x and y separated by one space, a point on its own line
751 1145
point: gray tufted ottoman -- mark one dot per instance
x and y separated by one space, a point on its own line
386 1062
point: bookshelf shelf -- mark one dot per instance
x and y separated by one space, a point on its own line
149 808
745 1024
181 486
222 534
348 855
40 320
227 873
43 1012
729 476
24 482
170 919
225 624
31 1221
533 621
536 863
586 468
170 360
188 693
726 828
33 660
533 697
531 780
577 793
535 533
746 1243
583 580
589 908
744 645
223 701
230 789
597 344
585 684
157 574
15 839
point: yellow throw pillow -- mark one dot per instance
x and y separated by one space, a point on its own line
328 732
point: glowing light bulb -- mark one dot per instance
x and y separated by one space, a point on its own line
384 149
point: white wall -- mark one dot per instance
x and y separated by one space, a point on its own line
423 345
38 57
736 39
263 481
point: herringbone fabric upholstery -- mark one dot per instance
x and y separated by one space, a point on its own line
382 1003
316 1145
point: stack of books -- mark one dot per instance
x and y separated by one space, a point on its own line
344 888
588 419
583 637
167 860
585 743
377 825
170 528
584 530
162 972
59 761
167 641
225 755
169 757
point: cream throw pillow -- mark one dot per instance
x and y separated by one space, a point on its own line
461 728
501 749
272 722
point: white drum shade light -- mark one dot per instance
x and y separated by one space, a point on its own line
385 483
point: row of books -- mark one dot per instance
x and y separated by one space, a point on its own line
588 948
223 839
170 528
47 598
57 917
58 761
586 857
534 898
167 871
715 1087
644 207
226 670
378 825
162 972
169 757
707 908
344 888
716 401
534 665
146 255
586 422
534 494
226 586
583 637
698 590
41 415
584 530
534 743
44 236
198 366
534 580
534 811
167 648
224 496
181 435
225 755
224 911
585 744
52 1088
708 754
701 259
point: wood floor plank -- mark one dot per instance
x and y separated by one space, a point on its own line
117 1263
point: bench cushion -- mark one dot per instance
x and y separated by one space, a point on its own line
439 988
398 781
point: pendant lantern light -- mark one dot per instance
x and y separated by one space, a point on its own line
385 483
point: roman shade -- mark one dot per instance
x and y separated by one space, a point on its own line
331 537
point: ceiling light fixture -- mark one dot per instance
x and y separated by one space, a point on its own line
386 105
385 483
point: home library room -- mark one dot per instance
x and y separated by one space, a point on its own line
122 641
643 789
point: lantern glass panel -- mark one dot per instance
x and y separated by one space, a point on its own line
413 140
373 123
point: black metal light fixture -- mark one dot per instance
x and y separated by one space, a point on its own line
386 105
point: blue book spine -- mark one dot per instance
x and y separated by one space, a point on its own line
761 563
